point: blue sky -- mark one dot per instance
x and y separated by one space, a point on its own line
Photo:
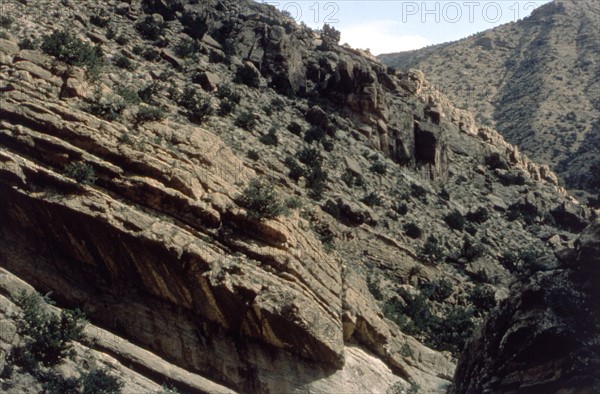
397 25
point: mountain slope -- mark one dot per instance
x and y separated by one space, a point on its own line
254 203
537 81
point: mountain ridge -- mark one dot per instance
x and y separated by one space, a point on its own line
536 80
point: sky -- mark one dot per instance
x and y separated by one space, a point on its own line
385 26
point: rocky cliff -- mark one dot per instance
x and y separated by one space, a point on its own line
544 337
253 203
535 80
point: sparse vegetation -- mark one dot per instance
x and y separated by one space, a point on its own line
28 43
295 128
271 137
47 336
413 230
100 20
431 251
253 155
69 49
379 167
124 62
150 28
198 106
246 120
150 114
455 220
99 381
479 216
494 161
81 172
261 200
187 47
372 199
110 107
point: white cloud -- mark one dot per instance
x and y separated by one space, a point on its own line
381 37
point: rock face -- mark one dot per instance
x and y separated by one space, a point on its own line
544 337
121 185
535 80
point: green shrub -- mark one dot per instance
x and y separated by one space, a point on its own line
509 260
309 155
379 167
401 209
110 33
27 43
253 155
278 104
327 144
351 179
246 120
100 20
228 92
109 108
148 92
418 191
149 28
268 110
480 215
295 128
122 40
293 203
296 170
413 230
150 114
71 50
261 200
431 251
442 289
471 251
444 195
129 95
56 384
495 161
374 289
187 47
230 98
315 133
372 199
512 178
270 138
99 381
316 179
452 332
151 54
526 212
225 107
198 106
332 208
47 336
82 172
124 62
455 220
138 49
483 298
329 37
6 21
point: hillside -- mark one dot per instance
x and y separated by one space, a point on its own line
247 206
536 80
